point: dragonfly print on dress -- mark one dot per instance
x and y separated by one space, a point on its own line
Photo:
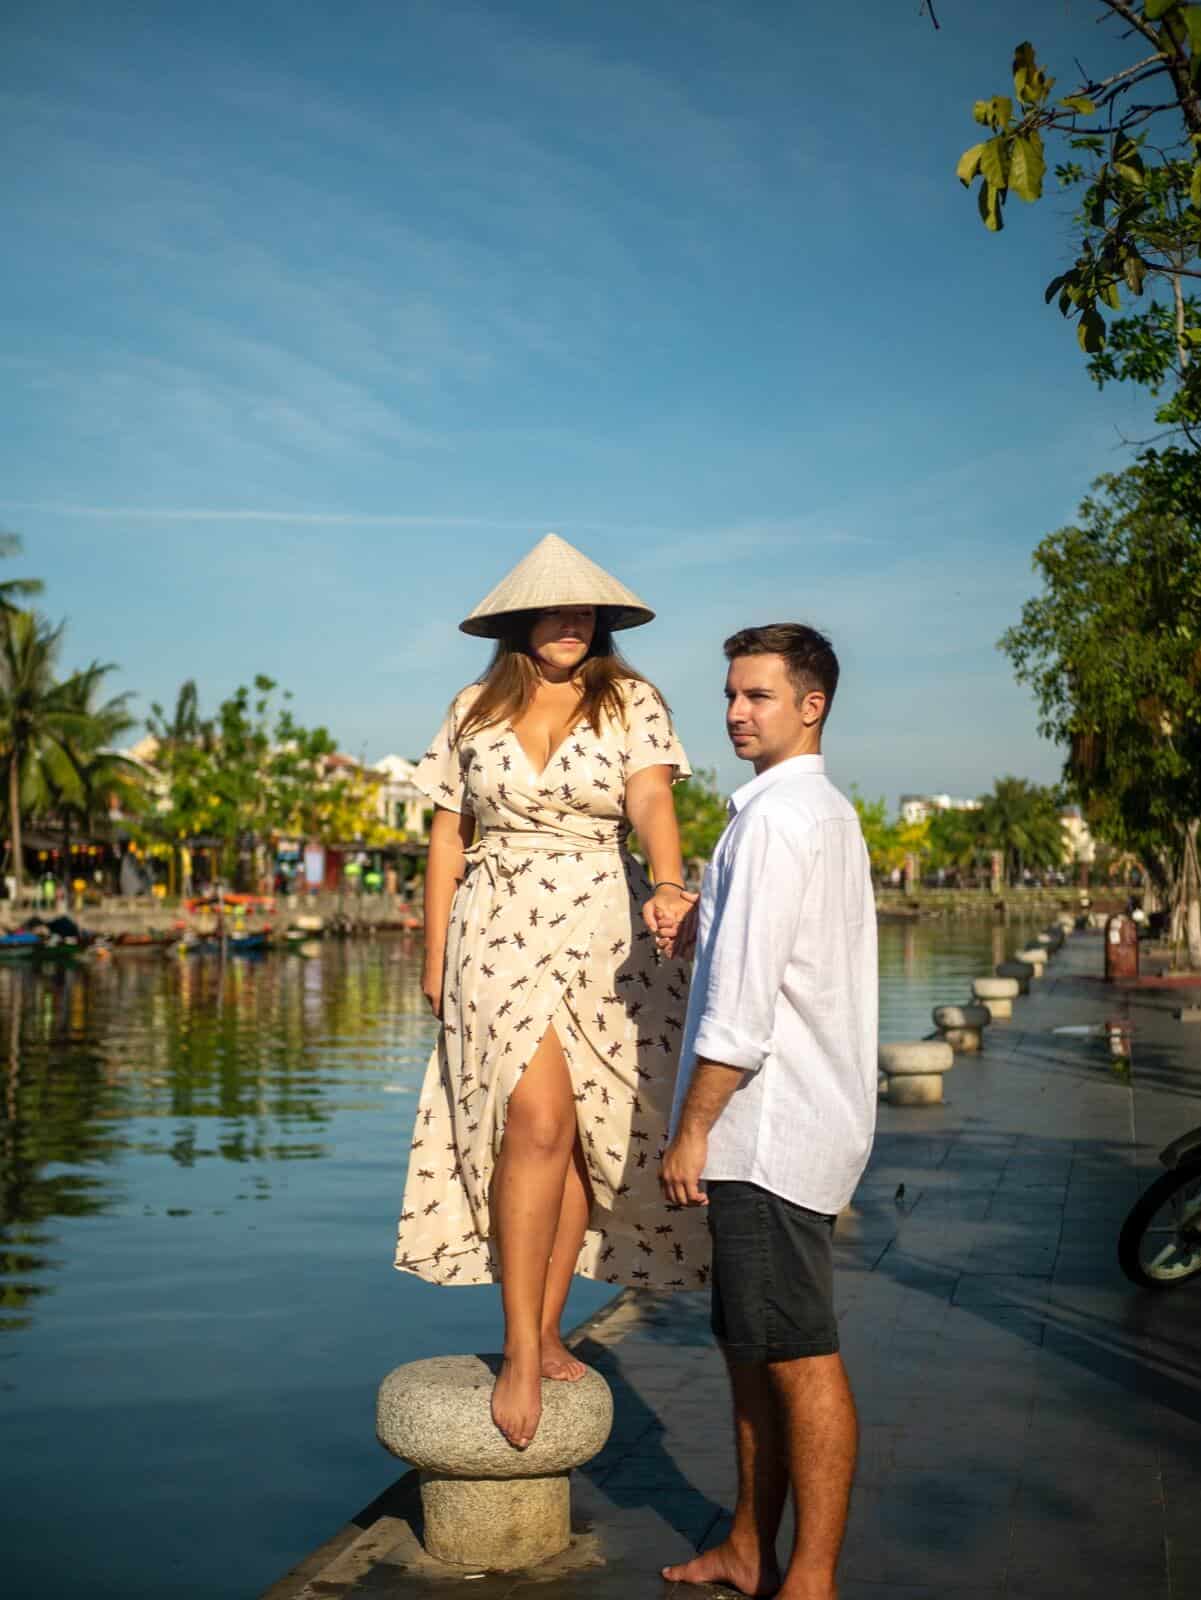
546 931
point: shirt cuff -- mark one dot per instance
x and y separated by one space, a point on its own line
719 1041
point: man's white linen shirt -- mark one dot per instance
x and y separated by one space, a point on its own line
785 988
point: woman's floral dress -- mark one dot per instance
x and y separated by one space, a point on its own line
546 931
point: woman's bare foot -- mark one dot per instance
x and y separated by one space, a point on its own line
558 1361
750 1573
517 1399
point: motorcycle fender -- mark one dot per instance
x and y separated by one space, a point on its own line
1188 1144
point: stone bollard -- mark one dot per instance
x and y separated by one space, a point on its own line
998 994
915 1071
1067 922
962 1027
1018 969
486 1505
1034 956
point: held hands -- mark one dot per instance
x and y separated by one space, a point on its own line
670 914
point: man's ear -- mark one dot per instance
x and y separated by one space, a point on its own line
813 708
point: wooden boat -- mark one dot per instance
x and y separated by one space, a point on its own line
18 946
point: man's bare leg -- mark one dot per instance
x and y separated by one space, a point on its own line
746 1557
557 1359
822 1432
526 1196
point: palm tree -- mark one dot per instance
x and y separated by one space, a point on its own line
14 589
73 773
1022 820
35 708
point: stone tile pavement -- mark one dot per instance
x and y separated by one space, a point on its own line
1031 1424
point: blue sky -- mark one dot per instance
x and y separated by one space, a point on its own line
316 318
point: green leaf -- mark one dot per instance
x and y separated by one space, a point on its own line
1133 270
1002 111
993 163
989 201
982 110
1194 190
1090 331
1027 166
969 165
1158 8
1111 296
1192 21
1127 162
1053 288
1079 103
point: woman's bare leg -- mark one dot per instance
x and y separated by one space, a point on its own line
527 1196
557 1360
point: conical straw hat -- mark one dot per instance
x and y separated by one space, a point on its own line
555 573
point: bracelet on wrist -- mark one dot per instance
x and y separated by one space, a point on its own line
666 885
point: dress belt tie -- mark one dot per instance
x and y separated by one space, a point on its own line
492 847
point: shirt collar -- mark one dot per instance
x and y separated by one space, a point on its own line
794 767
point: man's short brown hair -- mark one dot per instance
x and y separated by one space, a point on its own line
808 656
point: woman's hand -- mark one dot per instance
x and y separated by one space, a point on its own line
433 981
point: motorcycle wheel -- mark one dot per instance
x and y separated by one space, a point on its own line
1160 1242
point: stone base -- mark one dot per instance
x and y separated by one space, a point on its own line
495 1524
915 1089
964 1041
999 1010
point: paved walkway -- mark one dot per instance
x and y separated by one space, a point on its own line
1031 1424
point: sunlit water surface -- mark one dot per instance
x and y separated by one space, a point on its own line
201 1169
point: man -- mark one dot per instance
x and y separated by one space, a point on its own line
775 1107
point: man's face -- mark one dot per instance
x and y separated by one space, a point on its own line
763 719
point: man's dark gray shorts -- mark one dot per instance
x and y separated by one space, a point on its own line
773 1275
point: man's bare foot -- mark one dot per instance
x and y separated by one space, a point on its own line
517 1399
558 1361
728 1563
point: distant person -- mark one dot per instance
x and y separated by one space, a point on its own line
546 1101
775 1107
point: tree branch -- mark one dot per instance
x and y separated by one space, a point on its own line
927 9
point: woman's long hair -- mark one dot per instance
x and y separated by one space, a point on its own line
507 687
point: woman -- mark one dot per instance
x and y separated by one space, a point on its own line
546 1101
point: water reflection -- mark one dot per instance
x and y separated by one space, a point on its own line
191 1059
112 1070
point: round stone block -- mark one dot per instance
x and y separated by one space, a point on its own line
996 989
965 1041
496 1524
1021 971
967 1016
1034 956
916 1089
437 1415
999 1010
485 1504
919 1056
1066 921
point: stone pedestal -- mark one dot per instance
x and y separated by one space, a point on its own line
486 1505
1034 956
998 994
1021 971
962 1027
914 1070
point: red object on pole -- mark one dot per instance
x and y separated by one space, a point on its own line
1121 948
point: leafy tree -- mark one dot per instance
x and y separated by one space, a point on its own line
956 840
1131 151
1021 819
253 771
1112 651
889 840
701 813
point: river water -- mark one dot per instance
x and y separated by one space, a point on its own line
201 1168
